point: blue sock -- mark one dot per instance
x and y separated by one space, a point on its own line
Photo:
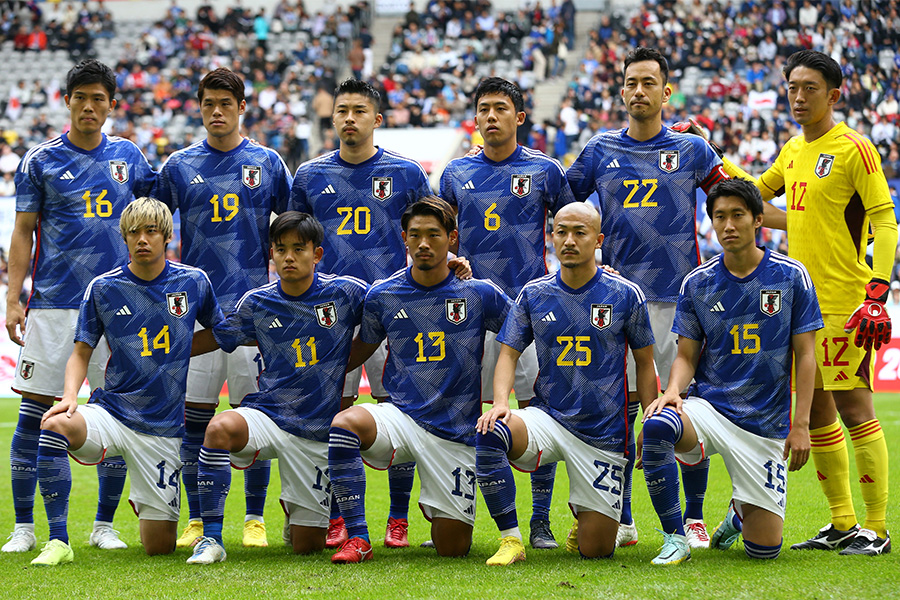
495 477
348 480
111 473
694 479
195 422
256 484
214 481
400 483
542 491
23 453
736 522
626 518
335 509
762 552
55 481
661 433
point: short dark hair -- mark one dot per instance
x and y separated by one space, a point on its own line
641 54
222 79
430 206
738 188
819 61
91 71
306 226
357 86
498 85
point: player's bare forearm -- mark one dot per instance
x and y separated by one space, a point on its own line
203 342
76 371
647 388
684 366
505 374
797 444
360 352
18 261
774 217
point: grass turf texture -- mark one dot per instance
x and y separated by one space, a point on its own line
418 573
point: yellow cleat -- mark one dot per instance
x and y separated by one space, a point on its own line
255 534
572 538
55 552
193 531
511 550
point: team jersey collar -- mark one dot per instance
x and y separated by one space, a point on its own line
140 281
234 150
312 287
656 138
379 151
511 158
409 279
751 276
96 151
582 289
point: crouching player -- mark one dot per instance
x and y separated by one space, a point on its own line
304 325
743 320
146 309
435 327
582 321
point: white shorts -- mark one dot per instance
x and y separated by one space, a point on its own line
302 464
446 469
208 372
374 372
49 341
665 345
758 472
595 476
526 370
154 462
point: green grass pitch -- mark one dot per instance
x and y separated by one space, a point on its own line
274 572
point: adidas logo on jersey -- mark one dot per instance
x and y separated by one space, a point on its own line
329 190
469 185
717 308
275 324
402 314
197 179
124 311
841 377
549 317
67 176
614 164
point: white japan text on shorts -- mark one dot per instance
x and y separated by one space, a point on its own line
526 370
665 345
208 372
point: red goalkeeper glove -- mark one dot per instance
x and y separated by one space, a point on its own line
871 320
693 127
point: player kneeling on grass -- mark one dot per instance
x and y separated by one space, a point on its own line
582 320
435 326
743 320
146 309
303 324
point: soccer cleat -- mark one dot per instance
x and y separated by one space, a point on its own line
396 535
511 550
675 550
337 533
627 535
427 544
725 534
828 538
695 533
572 538
54 552
193 531
206 552
867 543
20 540
354 550
541 538
254 534
286 531
106 538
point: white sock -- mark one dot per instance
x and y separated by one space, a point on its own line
99 524
25 527
512 532
257 517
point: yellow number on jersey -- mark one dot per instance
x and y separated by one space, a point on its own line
569 342
362 220
744 332
229 202
103 207
437 340
298 346
491 219
635 185
160 342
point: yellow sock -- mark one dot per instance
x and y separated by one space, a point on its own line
871 454
829 452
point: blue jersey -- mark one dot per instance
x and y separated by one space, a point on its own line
648 201
149 326
503 210
305 343
435 340
226 200
360 208
581 337
745 326
79 196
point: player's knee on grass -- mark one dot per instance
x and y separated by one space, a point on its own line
596 534
762 528
308 540
158 537
451 537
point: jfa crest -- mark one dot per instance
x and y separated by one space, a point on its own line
823 165
326 314
382 187
668 160
251 175
119 170
456 310
178 303
601 315
770 302
521 185
27 369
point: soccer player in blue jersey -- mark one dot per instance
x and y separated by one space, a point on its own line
359 193
304 326
70 192
435 326
582 321
503 196
226 189
146 311
745 319
647 177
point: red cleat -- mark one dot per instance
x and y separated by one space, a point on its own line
397 533
354 550
337 533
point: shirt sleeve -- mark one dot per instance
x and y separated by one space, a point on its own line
237 328
29 187
164 189
805 314
90 328
282 188
581 176
517 332
496 307
299 200
559 193
146 176
210 313
447 192
637 327
371 330
686 322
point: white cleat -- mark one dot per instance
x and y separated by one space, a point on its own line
20 540
106 538
206 552
695 533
